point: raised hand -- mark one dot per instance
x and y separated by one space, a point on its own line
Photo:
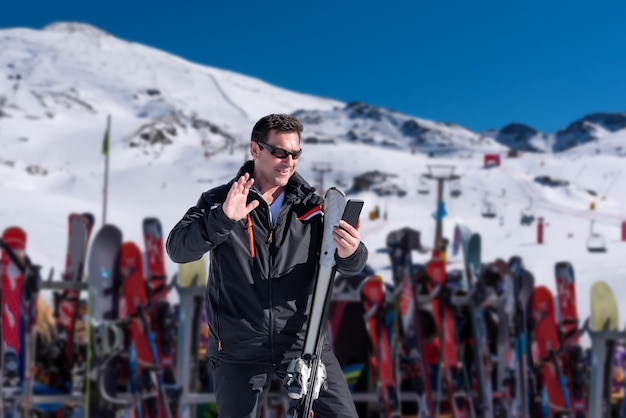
235 206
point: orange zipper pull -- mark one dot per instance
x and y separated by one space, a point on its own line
251 236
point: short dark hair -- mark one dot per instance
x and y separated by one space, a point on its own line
279 122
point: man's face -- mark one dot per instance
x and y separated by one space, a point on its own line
269 170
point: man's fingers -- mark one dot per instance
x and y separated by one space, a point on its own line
252 205
244 184
235 206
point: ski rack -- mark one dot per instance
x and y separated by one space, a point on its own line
62 398
56 286
127 399
421 299
115 349
605 334
120 398
63 285
484 400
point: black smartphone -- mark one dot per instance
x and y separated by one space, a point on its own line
352 211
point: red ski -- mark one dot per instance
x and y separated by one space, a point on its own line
459 398
12 283
78 233
136 302
554 392
161 317
374 304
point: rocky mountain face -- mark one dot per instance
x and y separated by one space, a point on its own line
591 128
521 137
362 123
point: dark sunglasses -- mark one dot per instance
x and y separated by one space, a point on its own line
279 152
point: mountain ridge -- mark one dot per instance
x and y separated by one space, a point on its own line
73 69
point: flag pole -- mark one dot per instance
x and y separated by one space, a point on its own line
105 151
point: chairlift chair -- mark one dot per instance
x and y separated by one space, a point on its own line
423 188
455 189
488 210
596 242
528 216
527 219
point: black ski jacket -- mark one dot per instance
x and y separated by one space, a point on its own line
261 278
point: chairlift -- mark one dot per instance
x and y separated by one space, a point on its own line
527 219
488 210
423 188
596 242
528 216
455 189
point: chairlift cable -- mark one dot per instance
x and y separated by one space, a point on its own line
617 176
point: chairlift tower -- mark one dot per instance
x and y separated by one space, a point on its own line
441 173
321 169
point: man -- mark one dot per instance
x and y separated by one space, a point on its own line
264 231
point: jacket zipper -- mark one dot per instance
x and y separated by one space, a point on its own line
219 308
270 243
250 236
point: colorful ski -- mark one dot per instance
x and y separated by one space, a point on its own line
459 396
67 301
103 307
161 315
14 238
569 334
476 300
603 332
19 262
375 306
504 353
413 309
136 301
553 383
523 286
191 280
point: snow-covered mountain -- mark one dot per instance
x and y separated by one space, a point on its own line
76 70
179 128
592 128
522 137
361 123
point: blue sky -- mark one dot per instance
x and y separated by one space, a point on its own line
480 64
